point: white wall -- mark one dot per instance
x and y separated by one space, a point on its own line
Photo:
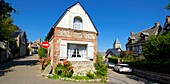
68 19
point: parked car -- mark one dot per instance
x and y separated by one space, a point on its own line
110 64
122 68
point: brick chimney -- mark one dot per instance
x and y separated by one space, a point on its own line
131 33
167 19
157 24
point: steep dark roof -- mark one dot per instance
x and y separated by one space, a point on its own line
19 32
150 32
113 51
116 41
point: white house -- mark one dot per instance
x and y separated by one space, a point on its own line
74 38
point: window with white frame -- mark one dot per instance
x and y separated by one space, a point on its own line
78 23
77 50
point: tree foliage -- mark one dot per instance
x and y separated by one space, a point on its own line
167 6
157 48
7 27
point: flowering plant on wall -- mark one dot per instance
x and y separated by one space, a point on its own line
64 69
44 61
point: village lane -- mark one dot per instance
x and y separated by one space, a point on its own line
25 70
125 78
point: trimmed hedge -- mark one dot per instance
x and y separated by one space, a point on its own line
113 59
160 67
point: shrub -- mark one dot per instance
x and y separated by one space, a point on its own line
44 61
101 69
113 59
65 69
59 69
42 52
80 77
56 76
157 48
90 75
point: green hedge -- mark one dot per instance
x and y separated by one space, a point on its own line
113 59
161 67
42 52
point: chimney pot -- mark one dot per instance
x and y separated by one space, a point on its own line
167 19
157 24
131 33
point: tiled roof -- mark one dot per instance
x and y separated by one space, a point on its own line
114 51
149 32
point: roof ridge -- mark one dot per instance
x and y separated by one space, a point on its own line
144 30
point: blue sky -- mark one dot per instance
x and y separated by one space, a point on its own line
113 18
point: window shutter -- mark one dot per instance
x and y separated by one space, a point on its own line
63 51
90 52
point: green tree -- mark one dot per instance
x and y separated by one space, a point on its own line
167 6
157 48
7 27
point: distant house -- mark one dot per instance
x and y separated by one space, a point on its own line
21 40
116 50
166 27
33 46
21 44
137 40
74 38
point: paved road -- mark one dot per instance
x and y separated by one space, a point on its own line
124 78
26 71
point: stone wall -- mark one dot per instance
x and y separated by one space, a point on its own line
162 78
82 67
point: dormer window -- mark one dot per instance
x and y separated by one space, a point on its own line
144 36
78 23
131 39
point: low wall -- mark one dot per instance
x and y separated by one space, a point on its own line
82 67
162 78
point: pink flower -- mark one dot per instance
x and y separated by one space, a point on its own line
59 62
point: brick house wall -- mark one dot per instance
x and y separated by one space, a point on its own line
72 35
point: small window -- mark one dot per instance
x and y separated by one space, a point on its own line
77 23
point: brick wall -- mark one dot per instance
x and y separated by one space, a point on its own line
72 35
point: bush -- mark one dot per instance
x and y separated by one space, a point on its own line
80 77
90 75
45 61
56 76
113 59
157 48
59 69
65 69
160 67
101 69
42 52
